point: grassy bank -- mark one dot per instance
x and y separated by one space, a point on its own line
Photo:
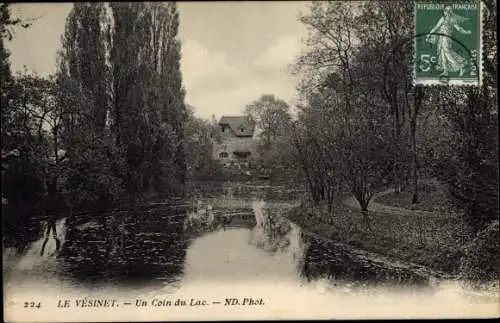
432 242
432 197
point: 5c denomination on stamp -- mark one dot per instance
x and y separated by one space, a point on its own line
448 42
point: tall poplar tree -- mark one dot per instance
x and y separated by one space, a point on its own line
148 96
84 80
120 70
83 57
173 109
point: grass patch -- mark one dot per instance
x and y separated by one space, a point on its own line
434 242
432 197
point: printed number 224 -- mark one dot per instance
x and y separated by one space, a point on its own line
32 304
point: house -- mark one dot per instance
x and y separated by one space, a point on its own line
235 143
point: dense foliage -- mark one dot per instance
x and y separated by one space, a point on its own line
199 135
274 127
363 126
107 127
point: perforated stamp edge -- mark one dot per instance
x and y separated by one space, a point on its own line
451 81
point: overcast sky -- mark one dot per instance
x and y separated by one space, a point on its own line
232 52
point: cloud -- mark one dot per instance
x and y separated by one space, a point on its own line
204 71
231 53
199 63
215 87
282 53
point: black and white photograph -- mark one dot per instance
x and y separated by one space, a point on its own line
249 160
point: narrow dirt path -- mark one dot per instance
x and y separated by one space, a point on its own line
376 207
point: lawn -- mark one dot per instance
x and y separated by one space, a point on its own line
432 197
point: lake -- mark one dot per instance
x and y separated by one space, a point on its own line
226 241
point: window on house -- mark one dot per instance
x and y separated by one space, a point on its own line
241 154
223 155
241 129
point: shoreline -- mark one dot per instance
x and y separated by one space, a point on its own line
373 245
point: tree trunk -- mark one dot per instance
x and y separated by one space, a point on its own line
366 219
364 207
51 227
419 94
330 202
395 138
363 203
414 198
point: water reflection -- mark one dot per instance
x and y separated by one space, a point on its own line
326 260
236 235
271 230
245 190
136 247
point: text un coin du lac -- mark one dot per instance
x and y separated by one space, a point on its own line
157 302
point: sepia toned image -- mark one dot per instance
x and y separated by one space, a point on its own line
179 161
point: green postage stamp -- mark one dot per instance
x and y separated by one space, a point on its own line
448 42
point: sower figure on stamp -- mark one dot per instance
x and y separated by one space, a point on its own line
50 214
448 59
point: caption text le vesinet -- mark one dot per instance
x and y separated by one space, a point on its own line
153 302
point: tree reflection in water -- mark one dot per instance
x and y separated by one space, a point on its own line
334 262
271 230
132 247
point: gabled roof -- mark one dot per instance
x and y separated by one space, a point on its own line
238 123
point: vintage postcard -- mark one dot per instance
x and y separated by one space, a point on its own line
167 161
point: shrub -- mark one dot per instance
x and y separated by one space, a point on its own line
482 256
